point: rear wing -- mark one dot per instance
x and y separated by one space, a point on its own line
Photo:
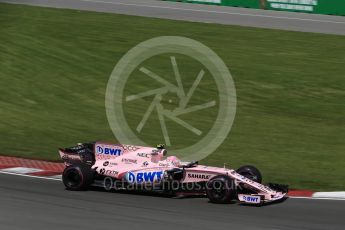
81 153
89 153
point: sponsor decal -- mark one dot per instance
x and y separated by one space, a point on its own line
70 157
261 186
106 163
265 188
144 155
198 176
130 147
141 177
145 164
247 180
108 151
296 5
163 165
111 173
108 172
251 199
129 161
113 164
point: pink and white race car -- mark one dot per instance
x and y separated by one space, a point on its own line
117 166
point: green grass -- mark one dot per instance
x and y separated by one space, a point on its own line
290 122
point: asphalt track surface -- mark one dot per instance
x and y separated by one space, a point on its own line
204 13
33 203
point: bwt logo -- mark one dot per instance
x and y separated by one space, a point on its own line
251 199
144 177
108 151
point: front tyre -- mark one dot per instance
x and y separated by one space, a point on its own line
77 177
251 173
221 189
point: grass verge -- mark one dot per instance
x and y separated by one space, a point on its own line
55 64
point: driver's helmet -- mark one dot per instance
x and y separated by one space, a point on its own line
174 160
160 146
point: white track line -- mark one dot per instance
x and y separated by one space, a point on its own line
25 175
315 198
56 179
21 170
321 195
213 11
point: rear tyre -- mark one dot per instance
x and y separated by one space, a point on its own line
221 189
251 173
77 177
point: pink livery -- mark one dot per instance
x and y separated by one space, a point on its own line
117 166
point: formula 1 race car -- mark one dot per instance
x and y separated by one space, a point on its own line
117 166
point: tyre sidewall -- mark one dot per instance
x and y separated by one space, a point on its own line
249 171
85 177
227 195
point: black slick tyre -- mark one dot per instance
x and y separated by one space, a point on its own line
251 173
221 189
77 177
